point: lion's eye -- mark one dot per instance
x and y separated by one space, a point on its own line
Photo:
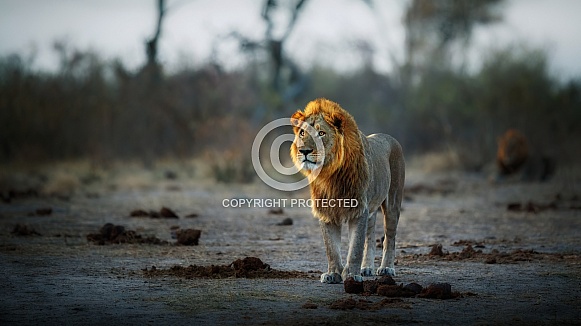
302 133
322 133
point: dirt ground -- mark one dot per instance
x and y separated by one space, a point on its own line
511 249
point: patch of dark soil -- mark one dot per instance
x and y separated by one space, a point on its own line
8 195
531 207
249 267
347 304
276 211
394 291
139 213
476 244
45 211
493 257
163 212
24 230
287 221
192 215
362 304
310 305
188 237
117 234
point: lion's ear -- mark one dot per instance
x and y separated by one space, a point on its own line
338 121
297 119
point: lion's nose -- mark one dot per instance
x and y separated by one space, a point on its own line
305 152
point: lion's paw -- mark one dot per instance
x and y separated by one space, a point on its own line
331 278
386 271
367 271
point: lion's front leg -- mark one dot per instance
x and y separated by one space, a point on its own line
332 239
369 251
357 232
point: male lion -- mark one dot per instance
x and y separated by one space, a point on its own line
516 158
513 151
369 171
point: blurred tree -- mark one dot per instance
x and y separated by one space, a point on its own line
275 48
434 27
287 80
152 67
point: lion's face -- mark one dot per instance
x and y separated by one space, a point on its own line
512 151
305 154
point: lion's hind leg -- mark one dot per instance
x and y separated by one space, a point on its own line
390 219
391 208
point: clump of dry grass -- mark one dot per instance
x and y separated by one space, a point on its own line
437 161
61 184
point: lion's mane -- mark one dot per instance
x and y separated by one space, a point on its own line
346 175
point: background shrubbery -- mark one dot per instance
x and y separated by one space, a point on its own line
96 109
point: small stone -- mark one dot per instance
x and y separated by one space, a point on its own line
352 286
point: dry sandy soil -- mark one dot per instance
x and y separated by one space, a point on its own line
528 270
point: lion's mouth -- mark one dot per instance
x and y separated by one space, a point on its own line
309 165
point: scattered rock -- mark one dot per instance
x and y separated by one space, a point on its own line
369 287
414 287
193 215
139 213
531 207
468 252
167 213
386 287
436 250
439 291
286 221
276 211
309 305
117 234
386 280
170 175
163 212
24 230
188 237
352 286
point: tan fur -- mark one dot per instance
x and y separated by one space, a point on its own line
367 169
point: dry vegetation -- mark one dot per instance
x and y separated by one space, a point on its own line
99 111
